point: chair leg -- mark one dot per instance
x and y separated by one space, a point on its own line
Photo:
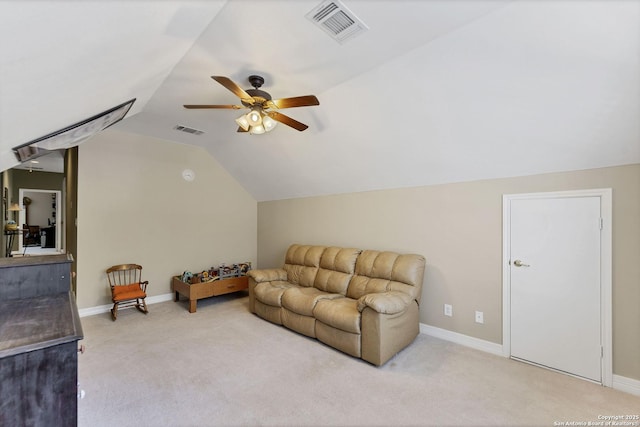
114 312
142 306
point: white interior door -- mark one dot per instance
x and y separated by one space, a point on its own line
555 283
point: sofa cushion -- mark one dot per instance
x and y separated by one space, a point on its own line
304 255
339 259
302 300
332 281
336 269
300 275
301 264
270 293
378 271
405 268
363 285
340 313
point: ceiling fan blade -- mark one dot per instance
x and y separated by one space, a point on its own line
192 106
240 129
279 117
297 101
237 90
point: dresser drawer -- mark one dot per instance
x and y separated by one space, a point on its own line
233 284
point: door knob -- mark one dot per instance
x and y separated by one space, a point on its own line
519 263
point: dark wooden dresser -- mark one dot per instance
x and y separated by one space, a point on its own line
39 333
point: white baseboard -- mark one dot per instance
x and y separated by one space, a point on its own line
90 311
465 340
625 384
628 385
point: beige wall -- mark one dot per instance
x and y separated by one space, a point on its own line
134 206
458 228
35 180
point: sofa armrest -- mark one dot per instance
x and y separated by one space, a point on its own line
391 302
267 275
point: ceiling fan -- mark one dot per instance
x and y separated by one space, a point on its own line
261 118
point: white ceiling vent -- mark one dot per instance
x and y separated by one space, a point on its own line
188 130
336 20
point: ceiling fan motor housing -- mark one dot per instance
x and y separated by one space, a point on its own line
259 96
257 93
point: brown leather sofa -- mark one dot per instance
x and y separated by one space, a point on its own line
361 302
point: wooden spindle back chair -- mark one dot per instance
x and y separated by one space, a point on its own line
127 288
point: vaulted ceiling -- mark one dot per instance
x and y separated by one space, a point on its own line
433 92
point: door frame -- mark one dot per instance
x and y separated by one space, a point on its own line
606 213
58 210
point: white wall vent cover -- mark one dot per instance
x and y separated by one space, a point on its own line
188 130
336 20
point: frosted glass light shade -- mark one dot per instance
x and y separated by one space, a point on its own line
256 130
243 122
268 123
254 117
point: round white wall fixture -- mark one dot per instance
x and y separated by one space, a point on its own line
188 175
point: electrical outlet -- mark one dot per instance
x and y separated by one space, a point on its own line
479 317
448 310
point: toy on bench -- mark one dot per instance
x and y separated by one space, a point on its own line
214 273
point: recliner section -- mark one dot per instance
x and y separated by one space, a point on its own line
363 303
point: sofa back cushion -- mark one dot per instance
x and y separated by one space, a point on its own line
378 271
301 264
337 266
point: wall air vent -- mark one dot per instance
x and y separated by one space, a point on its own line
192 131
336 20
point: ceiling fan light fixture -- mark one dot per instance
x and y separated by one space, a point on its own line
254 117
257 130
243 122
268 123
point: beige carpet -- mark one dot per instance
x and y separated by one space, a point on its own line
223 366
